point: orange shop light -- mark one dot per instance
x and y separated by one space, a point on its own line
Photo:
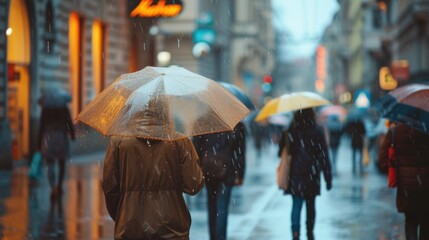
321 62
146 8
386 80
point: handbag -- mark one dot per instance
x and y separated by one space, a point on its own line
392 163
283 169
365 154
36 166
214 165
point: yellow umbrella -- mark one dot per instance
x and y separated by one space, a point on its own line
163 103
290 102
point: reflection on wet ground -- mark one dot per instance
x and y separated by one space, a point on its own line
358 207
27 212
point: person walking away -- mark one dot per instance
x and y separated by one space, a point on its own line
355 129
334 128
55 129
143 182
309 153
221 153
412 195
376 131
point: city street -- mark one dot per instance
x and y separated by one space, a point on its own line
358 207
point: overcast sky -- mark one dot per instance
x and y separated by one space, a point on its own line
305 21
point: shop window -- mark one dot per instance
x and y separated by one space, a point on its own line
98 60
76 59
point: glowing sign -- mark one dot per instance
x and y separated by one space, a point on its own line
386 80
400 70
321 62
149 9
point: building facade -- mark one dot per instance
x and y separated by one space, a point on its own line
237 41
391 34
80 46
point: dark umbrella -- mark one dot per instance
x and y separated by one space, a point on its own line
407 104
53 97
238 93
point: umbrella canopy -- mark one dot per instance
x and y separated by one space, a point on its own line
333 110
163 103
290 102
238 93
53 97
407 104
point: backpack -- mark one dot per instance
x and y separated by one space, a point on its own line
215 161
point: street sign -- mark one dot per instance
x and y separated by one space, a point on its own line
362 98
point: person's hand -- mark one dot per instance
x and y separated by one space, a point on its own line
328 186
238 182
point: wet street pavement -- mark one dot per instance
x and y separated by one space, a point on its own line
358 207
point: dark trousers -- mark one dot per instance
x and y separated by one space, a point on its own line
357 160
218 196
334 151
416 226
296 214
53 181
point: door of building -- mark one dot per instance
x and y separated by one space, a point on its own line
18 109
18 87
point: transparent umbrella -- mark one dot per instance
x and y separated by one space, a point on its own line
163 103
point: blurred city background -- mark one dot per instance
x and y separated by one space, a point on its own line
352 52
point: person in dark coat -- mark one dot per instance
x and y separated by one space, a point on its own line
210 147
56 127
412 195
355 129
309 152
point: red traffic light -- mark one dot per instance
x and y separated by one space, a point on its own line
267 79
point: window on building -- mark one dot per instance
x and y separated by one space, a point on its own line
49 31
376 18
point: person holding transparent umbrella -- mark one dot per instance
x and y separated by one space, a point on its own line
150 161
143 182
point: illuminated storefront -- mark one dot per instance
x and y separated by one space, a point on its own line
76 45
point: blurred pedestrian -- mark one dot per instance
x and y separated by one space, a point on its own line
377 130
334 128
259 136
223 161
309 153
143 182
355 129
55 129
412 195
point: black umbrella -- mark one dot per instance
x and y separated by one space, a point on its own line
238 93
